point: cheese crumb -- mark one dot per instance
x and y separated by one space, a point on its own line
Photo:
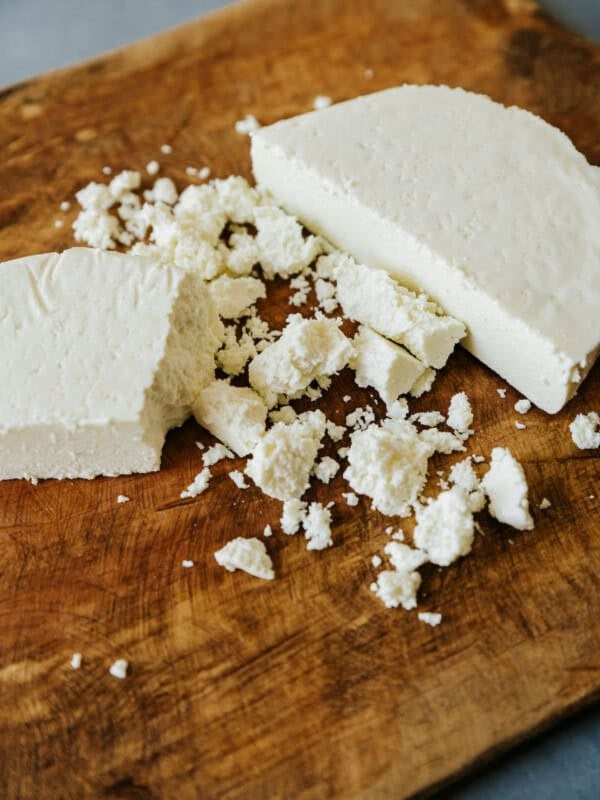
234 414
326 469
520 426
388 368
268 531
204 173
376 561
238 478
166 149
424 383
76 659
506 487
585 430
335 432
186 563
58 223
119 668
293 516
283 249
248 555
523 406
65 205
321 101
397 588
502 393
460 415
215 454
350 498
444 528
404 558
198 485
429 419
317 527
544 504
165 191
152 167
429 618
122 498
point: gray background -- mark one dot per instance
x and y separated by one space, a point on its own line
36 35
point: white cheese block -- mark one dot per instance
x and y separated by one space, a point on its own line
386 366
102 353
488 209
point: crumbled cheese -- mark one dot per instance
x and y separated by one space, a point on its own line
152 167
398 588
247 126
283 249
321 101
234 414
374 298
65 205
317 527
166 149
187 564
346 398
107 170
585 430
204 173
302 286
234 296
335 432
478 459
429 618
249 555
429 419
444 528
326 297
238 478
122 498
58 223
523 406
307 348
544 504
502 393
343 452
268 531
398 536
283 458
126 181
398 409
462 474
235 353
460 414
97 229
326 469
389 465
191 171
293 515
283 414
442 441
119 668
76 659
350 498
404 558
165 191
198 485
360 418
215 454
95 197
241 253
387 367
423 384
236 199
520 426
376 561
506 487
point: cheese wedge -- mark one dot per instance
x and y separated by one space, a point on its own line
488 209
102 353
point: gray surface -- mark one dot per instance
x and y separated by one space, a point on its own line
36 35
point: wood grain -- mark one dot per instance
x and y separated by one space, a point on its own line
304 687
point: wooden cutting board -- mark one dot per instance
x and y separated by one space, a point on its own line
306 686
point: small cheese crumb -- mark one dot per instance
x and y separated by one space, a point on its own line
350 498
460 415
268 531
119 668
404 558
502 393
398 588
122 498
238 478
248 555
107 170
444 528
186 563
215 454
248 125
204 173
430 618
283 414
478 459
293 515
152 167
165 191
585 430
317 527
58 223
191 171
335 432
346 398
166 149
376 561
520 426
326 469
523 406
321 101
65 205
506 487
198 485
429 419
544 504
76 660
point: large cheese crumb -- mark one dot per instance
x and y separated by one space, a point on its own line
585 430
460 415
445 527
317 527
293 516
404 558
389 465
283 249
307 349
198 485
234 414
326 469
398 588
430 618
119 668
249 555
372 297
233 296
283 459
387 367
463 474
506 487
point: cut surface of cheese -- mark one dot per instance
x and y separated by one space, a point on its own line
102 353
488 209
